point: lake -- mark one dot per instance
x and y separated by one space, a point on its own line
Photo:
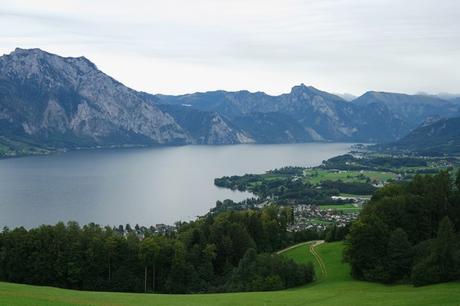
143 186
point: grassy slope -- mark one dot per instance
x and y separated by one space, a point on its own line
336 289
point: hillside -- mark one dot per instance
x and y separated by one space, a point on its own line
336 289
66 102
55 102
303 114
411 109
316 115
206 127
439 137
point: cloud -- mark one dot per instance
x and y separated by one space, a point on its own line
182 46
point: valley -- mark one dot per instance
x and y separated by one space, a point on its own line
230 153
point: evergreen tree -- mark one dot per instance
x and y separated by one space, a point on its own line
400 254
457 180
148 253
447 250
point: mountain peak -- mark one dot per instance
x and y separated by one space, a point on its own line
37 53
27 51
313 91
66 102
303 88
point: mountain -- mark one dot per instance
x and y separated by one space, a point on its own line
68 102
346 96
438 137
53 102
275 127
304 114
206 127
411 109
443 95
65 102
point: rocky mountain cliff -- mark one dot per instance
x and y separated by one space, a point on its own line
67 102
64 102
206 127
309 114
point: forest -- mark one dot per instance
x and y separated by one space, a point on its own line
379 162
409 233
224 252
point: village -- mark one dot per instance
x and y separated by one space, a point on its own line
313 217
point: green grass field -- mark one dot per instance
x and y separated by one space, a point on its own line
337 288
316 176
347 208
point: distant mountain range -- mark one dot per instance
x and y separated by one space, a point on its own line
308 114
62 102
432 138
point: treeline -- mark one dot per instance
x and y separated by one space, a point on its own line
230 205
381 163
230 251
288 171
409 233
350 188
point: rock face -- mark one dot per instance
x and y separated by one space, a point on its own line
61 102
309 114
304 114
206 127
68 102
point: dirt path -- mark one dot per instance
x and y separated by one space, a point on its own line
318 258
293 247
313 245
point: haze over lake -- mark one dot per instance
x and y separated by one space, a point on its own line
144 186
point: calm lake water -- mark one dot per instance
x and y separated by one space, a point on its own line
144 186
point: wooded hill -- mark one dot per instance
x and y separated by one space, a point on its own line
409 233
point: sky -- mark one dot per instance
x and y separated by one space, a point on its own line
183 46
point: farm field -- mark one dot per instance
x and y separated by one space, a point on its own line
335 288
316 176
346 208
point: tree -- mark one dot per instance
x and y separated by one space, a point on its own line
400 254
425 272
442 257
331 233
110 246
246 271
366 249
181 271
457 180
148 253
446 250
200 256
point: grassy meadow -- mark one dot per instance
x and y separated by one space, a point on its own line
333 289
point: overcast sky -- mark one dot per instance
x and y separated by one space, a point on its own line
181 46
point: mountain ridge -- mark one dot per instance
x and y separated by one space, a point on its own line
441 136
67 102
